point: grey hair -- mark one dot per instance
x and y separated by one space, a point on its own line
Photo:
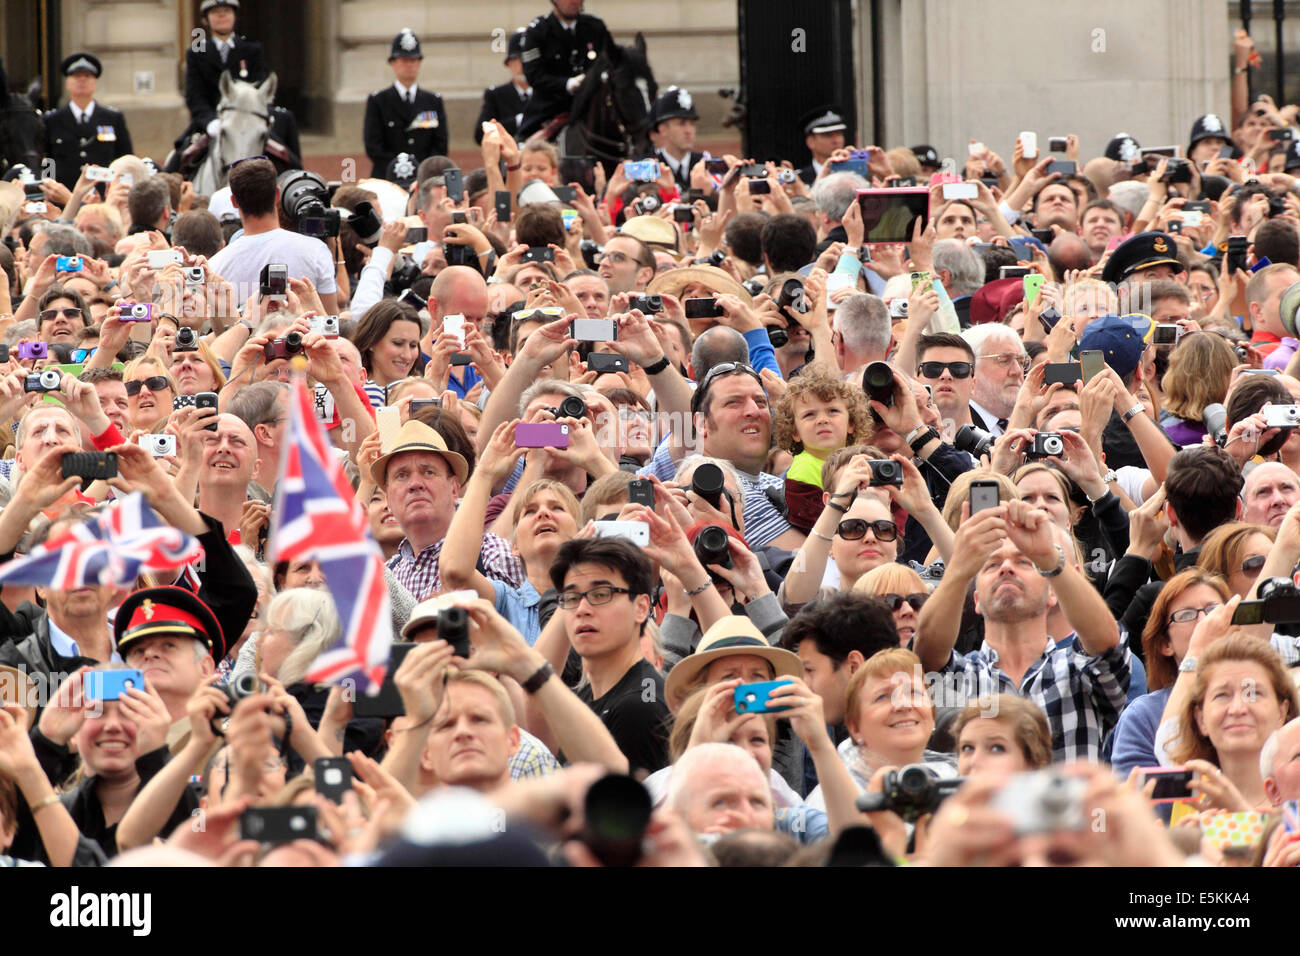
863 323
62 239
310 617
715 346
965 267
834 194
21 436
688 465
1130 196
547 386
701 756
25 329
978 336
1268 753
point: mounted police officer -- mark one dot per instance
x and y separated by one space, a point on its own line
403 118
672 130
558 50
83 131
505 103
224 52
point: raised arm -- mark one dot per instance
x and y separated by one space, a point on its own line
458 564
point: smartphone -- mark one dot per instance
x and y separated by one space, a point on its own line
501 199
1225 152
920 279
606 363
207 400
1280 135
754 698
717 167
1192 218
1045 236
274 279
1012 272
541 435
1065 167
98 174
1048 318
538 254
974 149
388 702
416 234
984 494
1033 285
701 309
959 191
276 825
1197 205
456 325
110 685
1028 145
890 215
1172 783
641 491
454 180
580 170
1236 256
594 330
389 420
1092 361
89 465
641 171
1067 373
565 194
637 532
333 777
161 258
421 403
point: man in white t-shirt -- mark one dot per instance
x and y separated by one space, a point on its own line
254 192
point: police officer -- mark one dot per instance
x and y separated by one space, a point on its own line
823 134
224 52
672 131
558 49
505 103
403 118
83 131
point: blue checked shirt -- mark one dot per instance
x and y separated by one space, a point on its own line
419 573
1081 696
532 759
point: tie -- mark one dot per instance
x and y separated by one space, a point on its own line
1002 424
224 50
410 98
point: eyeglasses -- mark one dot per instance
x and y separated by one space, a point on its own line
1008 359
601 594
1253 564
616 257
895 601
80 355
49 315
155 383
1188 614
851 529
955 369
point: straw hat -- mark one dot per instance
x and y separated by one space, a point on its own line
731 636
417 436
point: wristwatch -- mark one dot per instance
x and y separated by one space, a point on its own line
1188 666
1060 564
918 441
1133 412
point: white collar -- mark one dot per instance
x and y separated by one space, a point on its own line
82 116
403 90
989 418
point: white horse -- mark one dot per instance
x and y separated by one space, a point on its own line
244 115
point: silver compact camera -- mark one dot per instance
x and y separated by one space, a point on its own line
194 276
326 325
1282 416
1045 445
160 446
1043 801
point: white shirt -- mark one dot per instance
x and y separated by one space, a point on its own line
241 262
80 116
403 90
989 418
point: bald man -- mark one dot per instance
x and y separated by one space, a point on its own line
458 290
1269 492
229 463
1279 763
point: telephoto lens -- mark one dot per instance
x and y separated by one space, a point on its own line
707 482
616 812
974 441
878 383
711 546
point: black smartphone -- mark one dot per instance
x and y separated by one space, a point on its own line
890 215
1236 256
752 170
416 234
606 362
641 491
538 254
1065 167
1280 135
1067 373
90 465
565 194
1225 152
502 202
1048 318
984 494
715 166
701 309
580 170
759 187
683 213
459 255
1045 236
454 180
333 777
276 825
459 218
207 400
388 702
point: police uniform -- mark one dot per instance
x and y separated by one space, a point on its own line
95 139
824 119
394 125
552 55
675 103
504 103
1209 126
242 59
1143 251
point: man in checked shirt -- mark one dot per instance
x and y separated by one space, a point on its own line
1023 568
422 480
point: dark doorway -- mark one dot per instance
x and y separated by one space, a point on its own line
29 32
281 28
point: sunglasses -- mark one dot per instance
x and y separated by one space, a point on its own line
155 383
1253 565
246 159
935 369
895 601
851 529
717 372
50 315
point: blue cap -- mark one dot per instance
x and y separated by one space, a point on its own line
1120 338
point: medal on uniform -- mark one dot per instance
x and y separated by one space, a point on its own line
243 69
426 119
106 134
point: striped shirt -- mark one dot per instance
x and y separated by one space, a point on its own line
377 394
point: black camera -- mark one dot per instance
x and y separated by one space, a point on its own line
878 383
285 347
1178 171
778 337
707 482
911 792
711 546
1046 444
646 304
187 340
89 465
716 258
976 442
453 627
365 222
615 815
753 286
571 407
405 271
885 471
305 199
46 381
1278 603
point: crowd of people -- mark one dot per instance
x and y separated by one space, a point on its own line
715 530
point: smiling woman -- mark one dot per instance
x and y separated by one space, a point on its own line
388 338
150 389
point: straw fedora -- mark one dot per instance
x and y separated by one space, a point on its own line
417 436
675 280
731 636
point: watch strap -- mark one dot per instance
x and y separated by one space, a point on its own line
656 367
540 677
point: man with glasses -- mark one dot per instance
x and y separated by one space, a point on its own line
945 363
605 590
626 265
1000 365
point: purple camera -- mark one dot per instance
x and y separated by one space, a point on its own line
33 350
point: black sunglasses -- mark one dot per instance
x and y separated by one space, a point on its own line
895 601
935 369
156 383
851 529
1253 564
246 159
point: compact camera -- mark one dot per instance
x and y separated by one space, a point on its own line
187 340
886 471
159 446
1045 445
136 312
647 304
326 325
33 350
571 407
194 276
283 348
1282 416
46 381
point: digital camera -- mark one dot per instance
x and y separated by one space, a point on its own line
187 340
33 350
646 304
159 446
571 407
1281 416
974 441
886 471
46 381
135 312
911 792
1046 444
327 325
194 276
283 348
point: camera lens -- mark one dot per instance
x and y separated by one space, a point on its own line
573 407
707 482
1052 445
711 546
878 382
244 685
886 471
293 343
616 812
50 379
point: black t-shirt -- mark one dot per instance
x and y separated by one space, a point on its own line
636 715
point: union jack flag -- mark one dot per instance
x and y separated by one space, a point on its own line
316 515
113 548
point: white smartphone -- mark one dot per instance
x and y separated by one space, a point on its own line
99 174
959 191
456 325
594 330
638 532
976 148
1029 145
1193 218
389 420
161 258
